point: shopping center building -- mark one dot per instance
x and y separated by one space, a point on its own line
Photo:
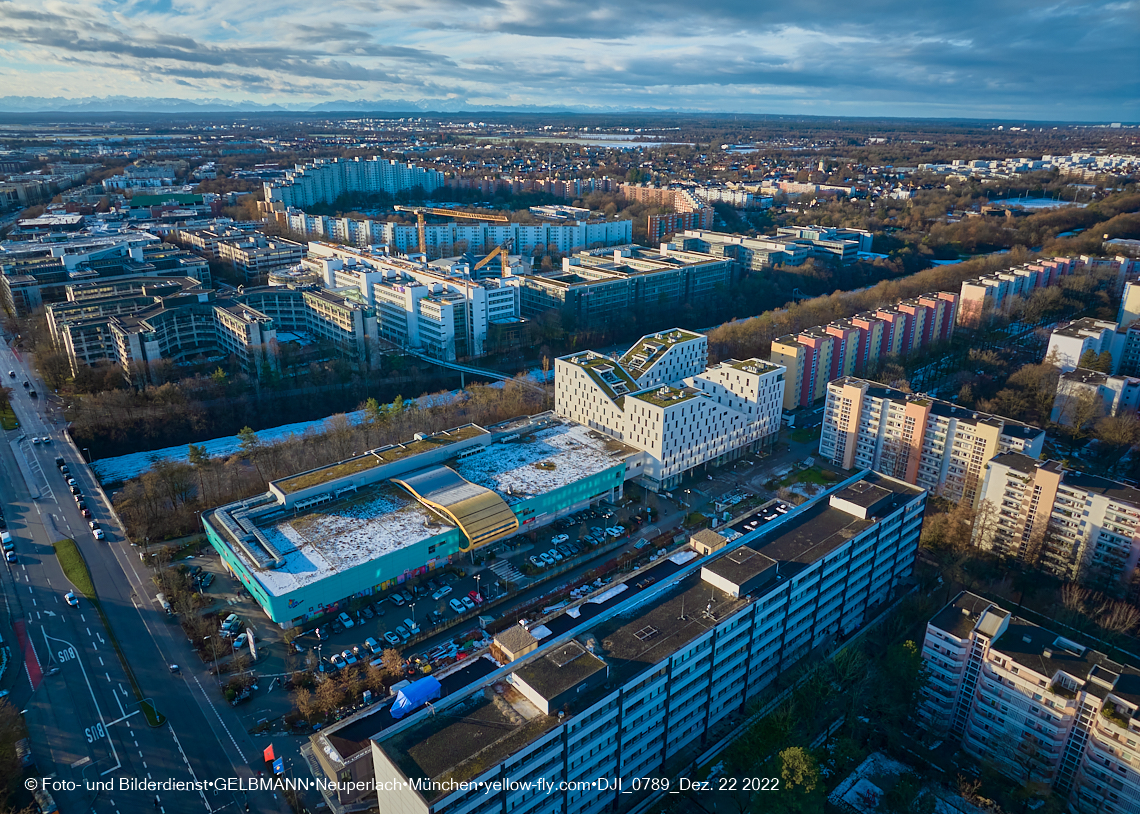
319 539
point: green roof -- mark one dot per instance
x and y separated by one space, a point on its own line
666 396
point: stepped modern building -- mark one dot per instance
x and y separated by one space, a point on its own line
1037 706
662 398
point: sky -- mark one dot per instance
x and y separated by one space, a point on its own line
1007 59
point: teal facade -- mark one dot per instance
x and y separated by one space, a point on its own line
334 592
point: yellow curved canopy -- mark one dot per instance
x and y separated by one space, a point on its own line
481 514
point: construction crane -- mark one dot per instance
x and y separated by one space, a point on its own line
420 211
501 251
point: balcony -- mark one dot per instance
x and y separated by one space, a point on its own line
1112 715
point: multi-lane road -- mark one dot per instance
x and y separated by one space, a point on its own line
84 719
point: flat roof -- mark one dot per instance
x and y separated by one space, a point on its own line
337 536
647 350
560 669
542 460
740 565
666 396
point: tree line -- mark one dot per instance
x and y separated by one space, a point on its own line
164 502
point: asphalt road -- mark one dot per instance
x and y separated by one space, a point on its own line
84 721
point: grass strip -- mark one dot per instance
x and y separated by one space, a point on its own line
8 418
78 574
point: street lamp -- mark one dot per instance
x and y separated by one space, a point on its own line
86 455
477 592
413 607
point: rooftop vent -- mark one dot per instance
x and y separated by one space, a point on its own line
1027 639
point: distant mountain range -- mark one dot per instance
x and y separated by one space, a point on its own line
149 104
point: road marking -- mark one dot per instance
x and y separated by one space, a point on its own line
124 718
88 631
219 716
190 768
108 677
100 638
101 664
83 761
110 741
82 618
124 692
33 602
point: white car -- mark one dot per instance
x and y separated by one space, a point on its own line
99 535
442 592
346 620
468 602
337 661
561 538
71 599
457 606
372 645
615 531
46 439
239 642
391 638
537 563
35 440
555 555
546 558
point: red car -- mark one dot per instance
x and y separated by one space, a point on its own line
475 597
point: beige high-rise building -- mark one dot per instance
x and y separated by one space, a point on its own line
1036 706
933 444
1074 525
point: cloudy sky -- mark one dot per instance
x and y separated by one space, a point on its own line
1032 59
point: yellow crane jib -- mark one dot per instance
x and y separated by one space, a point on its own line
420 211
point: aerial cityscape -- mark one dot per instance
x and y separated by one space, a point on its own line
513 408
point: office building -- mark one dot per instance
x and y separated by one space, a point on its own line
318 539
326 179
749 253
623 683
1038 707
934 444
1075 525
206 242
846 347
441 313
37 272
136 323
601 288
662 399
1086 395
254 256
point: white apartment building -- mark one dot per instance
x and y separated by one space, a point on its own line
933 444
419 307
621 693
1067 344
1075 525
255 255
456 237
1115 395
1037 706
325 180
660 398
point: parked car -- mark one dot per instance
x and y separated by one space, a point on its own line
397 600
457 606
372 645
321 633
468 602
561 538
478 600
239 642
367 613
346 620
379 608
442 592
407 596
554 555
207 580
337 627
412 627
10 556
402 632
391 637
338 661
546 558
615 531
231 621
349 657
537 563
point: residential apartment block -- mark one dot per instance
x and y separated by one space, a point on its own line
419 307
1069 343
325 180
1112 395
660 398
933 444
992 294
823 353
456 237
628 680
600 287
1075 525
1037 706
136 323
